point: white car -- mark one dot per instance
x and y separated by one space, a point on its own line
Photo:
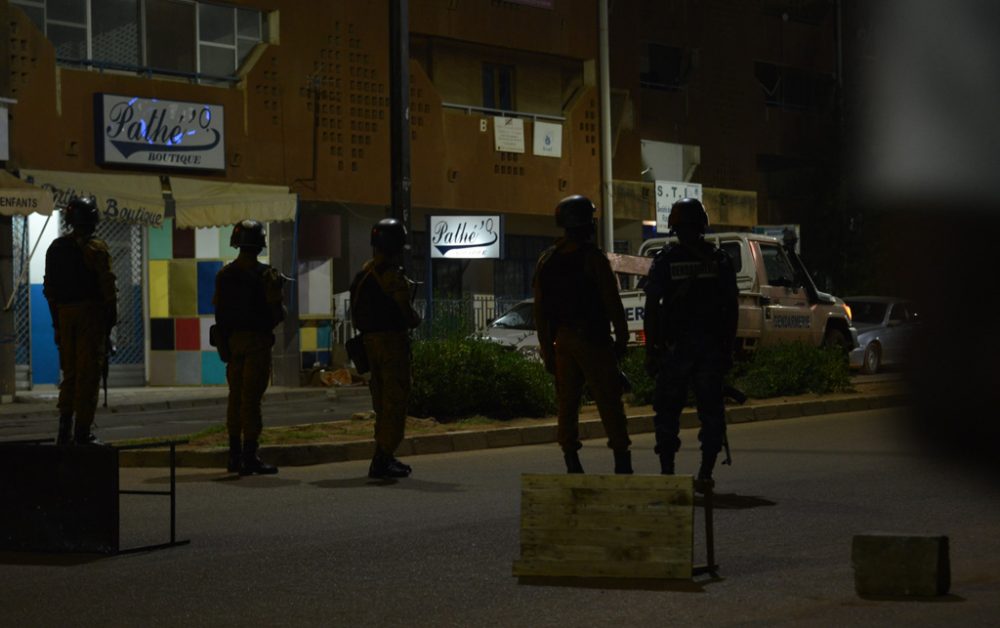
515 328
885 327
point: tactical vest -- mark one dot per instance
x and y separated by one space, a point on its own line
570 296
373 310
242 299
695 299
68 279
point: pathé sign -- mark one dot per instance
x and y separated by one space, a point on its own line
150 132
465 237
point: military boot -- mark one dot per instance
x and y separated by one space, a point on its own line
704 479
65 436
667 464
85 437
235 455
384 466
251 462
623 463
572 459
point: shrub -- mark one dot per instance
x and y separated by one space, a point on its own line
456 377
787 369
792 369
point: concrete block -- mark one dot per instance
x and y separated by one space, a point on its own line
856 404
405 448
810 408
591 429
901 565
537 434
469 441
765 413
739 415
788 411
689 419
432 444
360 450
505 437
640 424
836 406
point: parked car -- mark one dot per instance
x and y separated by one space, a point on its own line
515 328
885 327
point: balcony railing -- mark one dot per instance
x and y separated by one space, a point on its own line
468 109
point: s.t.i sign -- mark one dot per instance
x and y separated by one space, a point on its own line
465 237
159 133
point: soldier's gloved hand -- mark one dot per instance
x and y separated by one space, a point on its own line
652 363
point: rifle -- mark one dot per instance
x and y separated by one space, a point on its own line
739 397
109 352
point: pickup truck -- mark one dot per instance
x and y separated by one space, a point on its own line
778 300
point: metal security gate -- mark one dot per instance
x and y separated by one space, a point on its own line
128 366
126 245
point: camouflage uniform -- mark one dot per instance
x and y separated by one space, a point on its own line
248 305
80 289
576 303
381 309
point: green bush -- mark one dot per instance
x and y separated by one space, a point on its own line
787 369
792 369
456 377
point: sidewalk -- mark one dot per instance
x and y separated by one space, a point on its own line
42 399
529 432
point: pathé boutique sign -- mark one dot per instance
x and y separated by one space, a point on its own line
150 132
465 237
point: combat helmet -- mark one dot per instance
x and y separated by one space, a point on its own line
389 236
82 211
248 233
574 212
688 212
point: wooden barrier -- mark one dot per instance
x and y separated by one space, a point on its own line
601 526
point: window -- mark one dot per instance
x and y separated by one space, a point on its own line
664 67
174 36
498 87
779 272
794 89
897 314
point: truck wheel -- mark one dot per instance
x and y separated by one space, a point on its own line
872 360
836 338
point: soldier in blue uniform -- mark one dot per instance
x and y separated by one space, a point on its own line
691 316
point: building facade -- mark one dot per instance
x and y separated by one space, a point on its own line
505 120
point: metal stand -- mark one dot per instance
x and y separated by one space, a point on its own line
172 493
711 568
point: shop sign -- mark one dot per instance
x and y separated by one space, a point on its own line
166 134
669 192
119 198
465 237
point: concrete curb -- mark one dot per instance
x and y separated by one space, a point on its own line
321 453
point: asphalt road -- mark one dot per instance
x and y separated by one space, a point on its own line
324 546
118 425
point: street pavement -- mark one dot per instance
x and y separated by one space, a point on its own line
322 545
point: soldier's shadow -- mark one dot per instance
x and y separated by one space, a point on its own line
411 484
732 501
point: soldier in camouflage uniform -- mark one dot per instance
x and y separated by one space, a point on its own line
692 307
80 289
382 310
576 304
248 305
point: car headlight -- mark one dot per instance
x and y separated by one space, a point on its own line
847 308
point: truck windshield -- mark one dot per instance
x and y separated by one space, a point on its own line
867 311
521 316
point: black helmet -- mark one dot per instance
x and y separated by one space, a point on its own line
688 212
574 212
248 233
82 211
389 236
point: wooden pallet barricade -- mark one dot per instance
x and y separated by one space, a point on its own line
601 526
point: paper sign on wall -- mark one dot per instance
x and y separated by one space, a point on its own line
548 139
669 192
508 134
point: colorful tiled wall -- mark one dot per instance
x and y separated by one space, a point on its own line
314 343
182 268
